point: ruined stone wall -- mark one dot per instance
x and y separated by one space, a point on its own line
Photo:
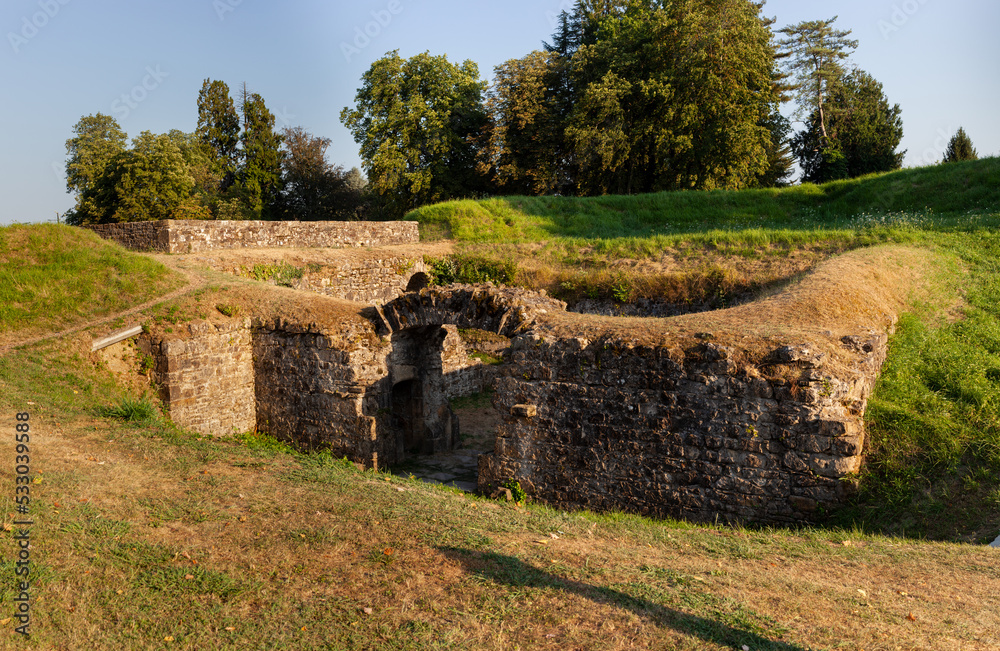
667 432
137 236
207 380
463 375
372 281
311 389
194 236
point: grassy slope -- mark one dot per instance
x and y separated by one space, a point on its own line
793 215
54 277
934 463
147 537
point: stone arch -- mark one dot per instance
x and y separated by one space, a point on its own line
418 281
504 310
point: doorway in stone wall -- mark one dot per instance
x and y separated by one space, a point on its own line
408 415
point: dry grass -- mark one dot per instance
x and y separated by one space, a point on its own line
851 294
145 534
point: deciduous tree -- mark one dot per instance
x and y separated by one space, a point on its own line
313 188
673 95
417 122
97 140
522 152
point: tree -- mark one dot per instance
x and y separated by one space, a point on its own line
780 161
960 148
98 140
219 129
863 133
814 51
314 189
148 182
260 174
672 95
417 122
525 136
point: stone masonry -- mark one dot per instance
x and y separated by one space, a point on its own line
666 425
195 236
207 379
682 433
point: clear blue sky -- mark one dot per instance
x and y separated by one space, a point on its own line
63 59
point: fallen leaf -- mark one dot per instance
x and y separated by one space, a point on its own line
862 593
542 542
189 576
911 617
366 610
230 628
4 622
553 536
387 551
169 638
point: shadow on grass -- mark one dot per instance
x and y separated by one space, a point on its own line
514 572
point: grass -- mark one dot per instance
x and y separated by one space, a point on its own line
150 537
224 544
702 250
851 211
933 465
54 277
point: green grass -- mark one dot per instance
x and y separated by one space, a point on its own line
54 276
847 214
933 465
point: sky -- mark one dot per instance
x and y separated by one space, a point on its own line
144 61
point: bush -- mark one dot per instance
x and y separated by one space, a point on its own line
471 270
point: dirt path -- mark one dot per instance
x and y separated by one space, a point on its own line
193 282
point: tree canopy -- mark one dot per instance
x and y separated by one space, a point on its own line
863 132
417 122
219 129
813 51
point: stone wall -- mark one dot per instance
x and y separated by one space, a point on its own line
681 433
310 389
207 379
137 236
463 375
194 236
371 281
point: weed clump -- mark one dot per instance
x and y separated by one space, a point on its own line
139 411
